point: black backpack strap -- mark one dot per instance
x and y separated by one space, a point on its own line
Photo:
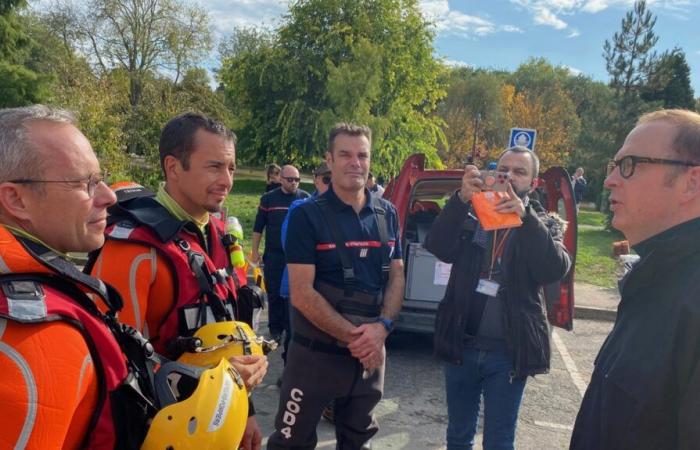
380 217
349 279
206 285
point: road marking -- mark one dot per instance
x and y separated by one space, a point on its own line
329 443
556 426
569 363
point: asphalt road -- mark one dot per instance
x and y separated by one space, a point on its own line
412 414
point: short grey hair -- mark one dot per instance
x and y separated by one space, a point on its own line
18 157
533 156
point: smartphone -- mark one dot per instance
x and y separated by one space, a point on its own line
495 180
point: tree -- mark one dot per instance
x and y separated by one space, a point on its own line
595 144
367 61
472 114
21 83
142 38
629 59
540 100
669 81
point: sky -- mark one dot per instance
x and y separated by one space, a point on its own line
501 34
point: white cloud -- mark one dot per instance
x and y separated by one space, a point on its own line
455 63
574 33
450 21
226 15
573 70
543 16
511 29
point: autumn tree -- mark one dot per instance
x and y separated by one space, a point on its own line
472 114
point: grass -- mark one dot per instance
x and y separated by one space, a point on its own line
594 261
593 218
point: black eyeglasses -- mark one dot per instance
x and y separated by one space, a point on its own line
90 182
326 179
628 163
292 179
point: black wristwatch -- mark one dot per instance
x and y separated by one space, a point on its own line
388 323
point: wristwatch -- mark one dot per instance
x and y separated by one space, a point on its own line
388 323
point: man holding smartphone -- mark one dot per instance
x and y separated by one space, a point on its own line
491 327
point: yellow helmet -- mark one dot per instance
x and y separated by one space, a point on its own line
213 417
223 340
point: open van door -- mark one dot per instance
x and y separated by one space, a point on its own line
559 198
398 190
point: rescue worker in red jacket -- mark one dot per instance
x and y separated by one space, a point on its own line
165 254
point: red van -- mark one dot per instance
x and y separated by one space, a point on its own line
419 195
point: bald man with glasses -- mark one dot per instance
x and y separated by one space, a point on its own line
271 213
645 389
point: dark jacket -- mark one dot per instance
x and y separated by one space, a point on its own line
534 256
645 389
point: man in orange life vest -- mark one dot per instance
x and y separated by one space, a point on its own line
165 254
62 366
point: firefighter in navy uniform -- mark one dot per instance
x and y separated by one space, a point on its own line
271 213
347 283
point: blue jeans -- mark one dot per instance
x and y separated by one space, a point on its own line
487 372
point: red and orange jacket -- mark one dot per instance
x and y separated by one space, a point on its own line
149 262
62 366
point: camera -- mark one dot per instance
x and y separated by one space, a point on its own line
495 180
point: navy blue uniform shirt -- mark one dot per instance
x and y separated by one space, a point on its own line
271 213
309 241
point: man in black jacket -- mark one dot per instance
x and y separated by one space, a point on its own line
491 327
645 389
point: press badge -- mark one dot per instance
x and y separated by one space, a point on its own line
488 287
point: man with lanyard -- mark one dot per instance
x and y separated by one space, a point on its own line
491 327
347 283
271 213
62 365
166 255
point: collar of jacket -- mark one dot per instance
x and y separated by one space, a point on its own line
679 239
663 252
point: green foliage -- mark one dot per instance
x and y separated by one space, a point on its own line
367 61
669 81
629 56
472 114
21 83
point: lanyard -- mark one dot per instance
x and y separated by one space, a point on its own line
498 248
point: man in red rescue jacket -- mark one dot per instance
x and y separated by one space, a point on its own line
62 368
166 255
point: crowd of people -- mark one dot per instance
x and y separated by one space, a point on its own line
116 355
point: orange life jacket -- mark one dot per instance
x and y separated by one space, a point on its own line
206 283
36 286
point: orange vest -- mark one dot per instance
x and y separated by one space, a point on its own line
40 287
206 288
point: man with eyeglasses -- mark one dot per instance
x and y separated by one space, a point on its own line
645 389
62 364
271 213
